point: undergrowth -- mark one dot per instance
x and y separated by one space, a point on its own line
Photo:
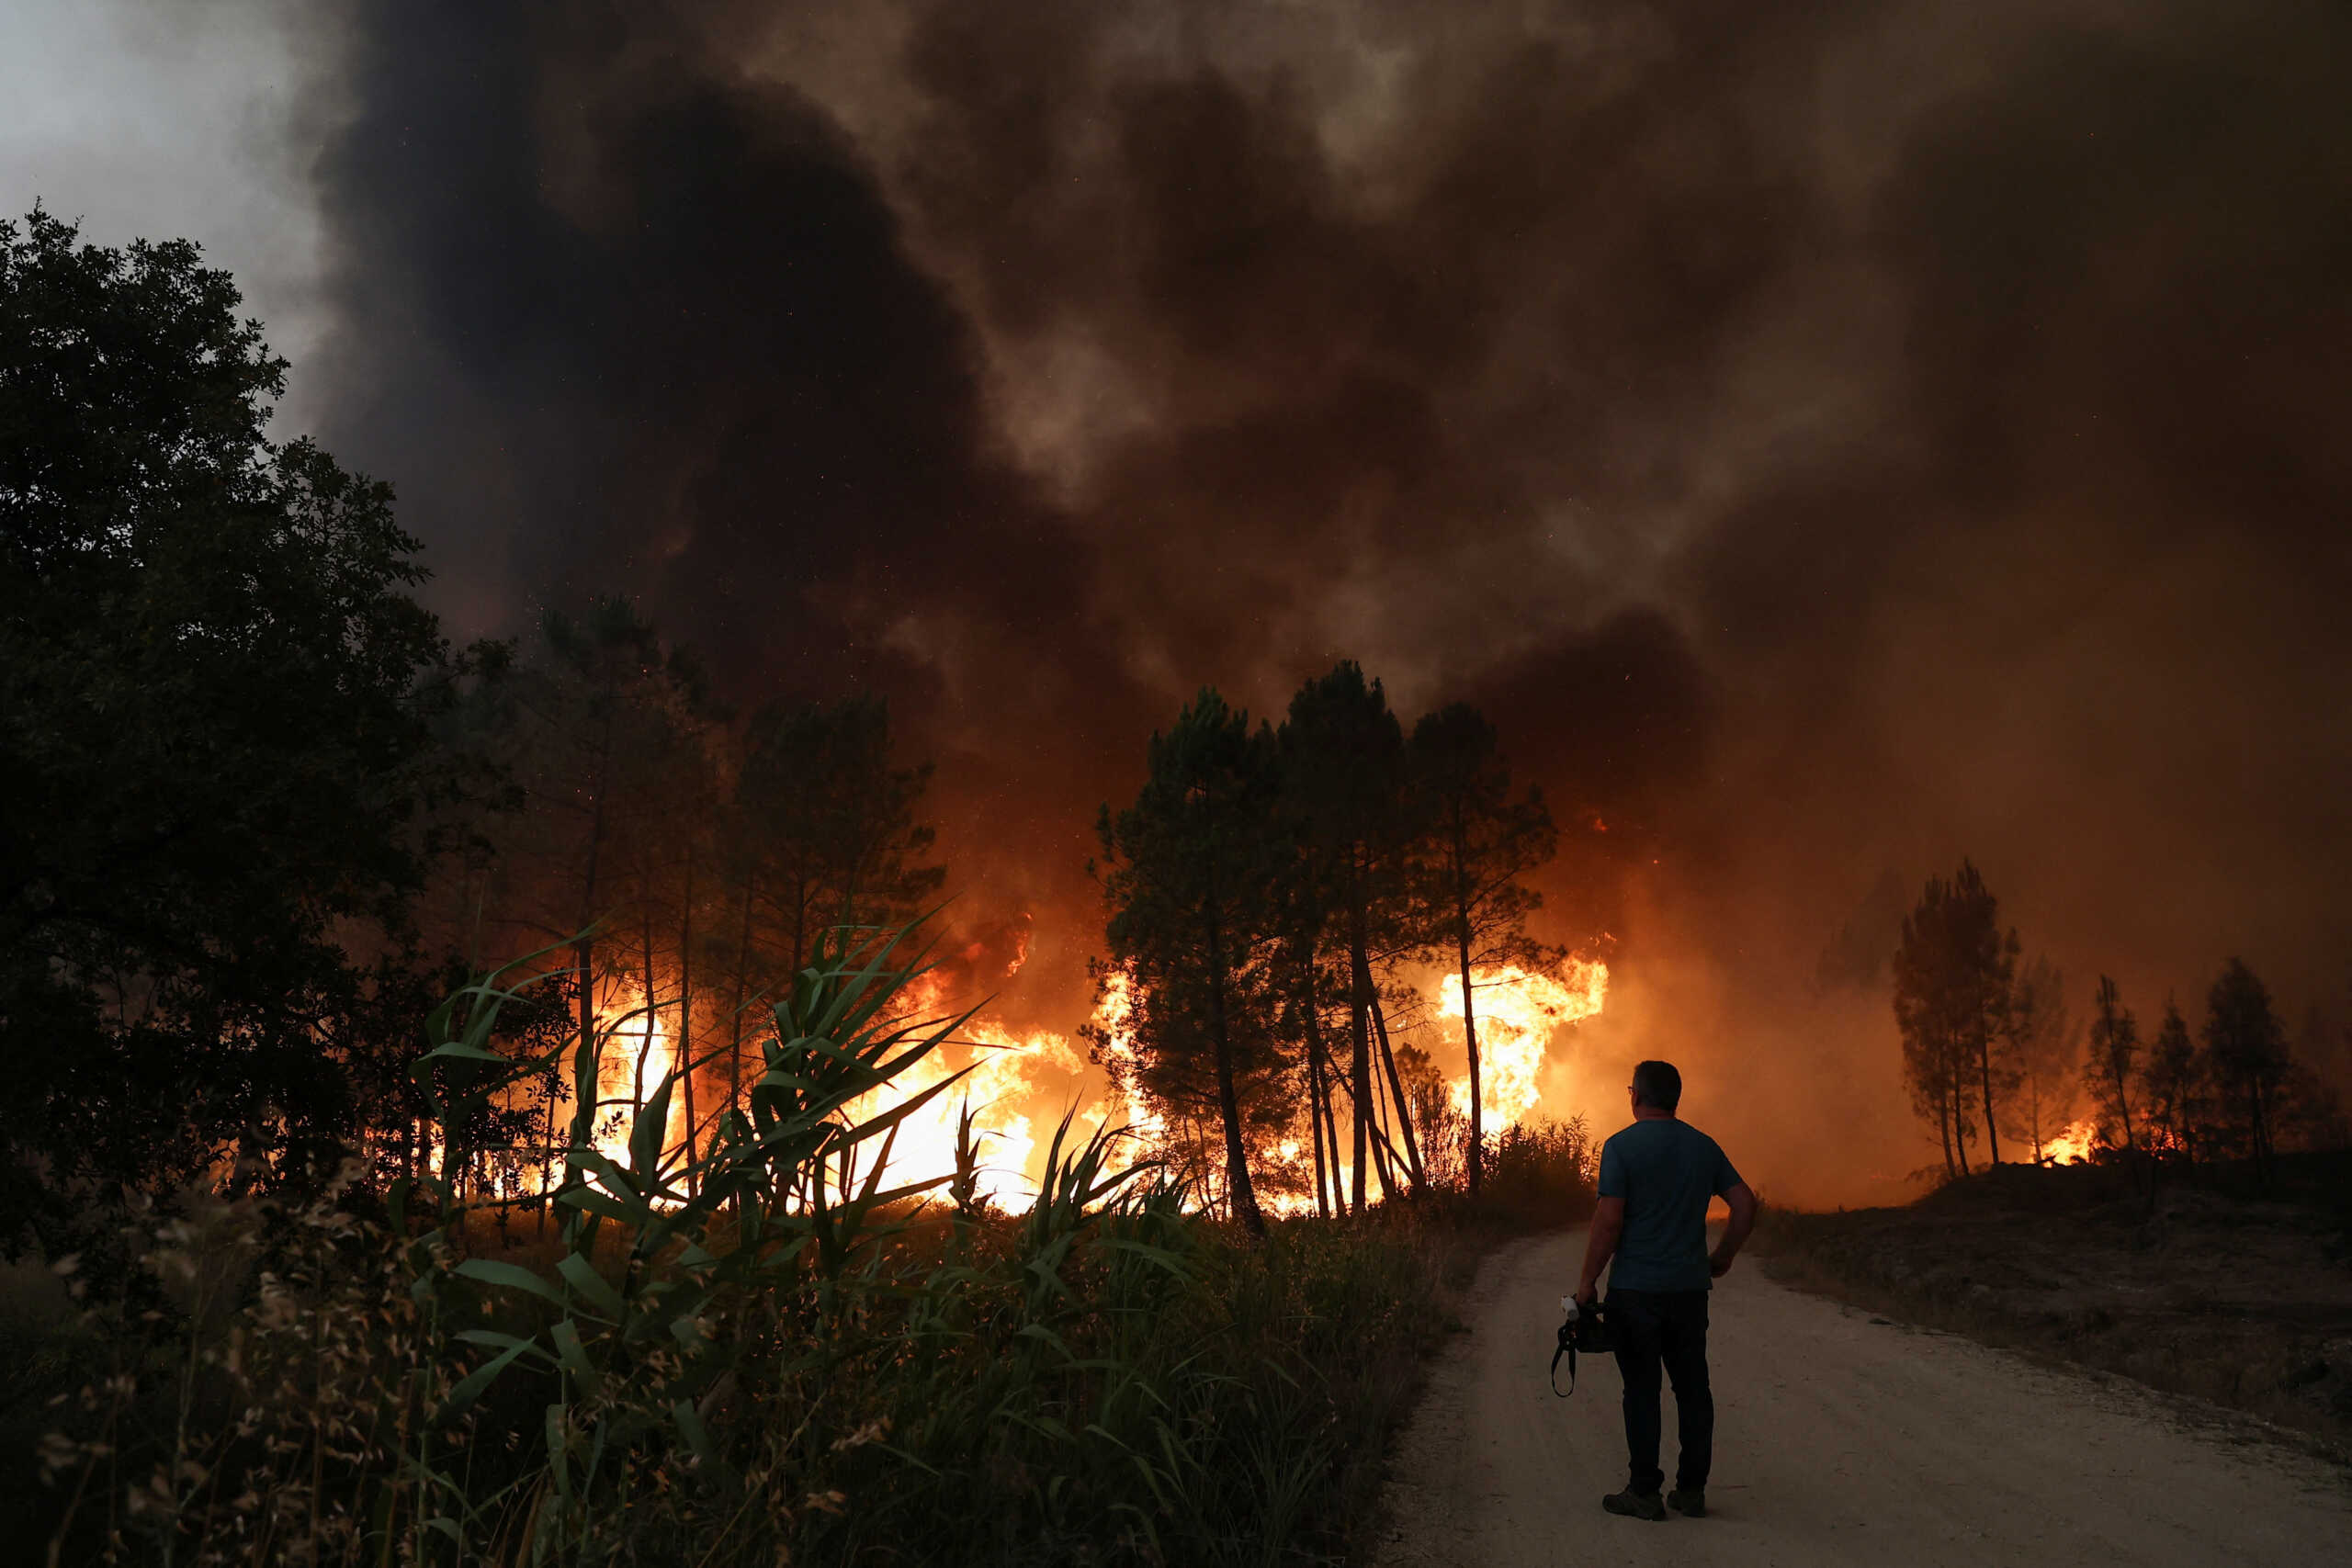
752 1353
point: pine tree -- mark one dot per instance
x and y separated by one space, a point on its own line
2248 1052
1185 875
1953 976
1483 836
2108 1072
2172 1089
2042 1051
1343 779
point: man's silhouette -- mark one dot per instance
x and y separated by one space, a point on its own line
1656 1179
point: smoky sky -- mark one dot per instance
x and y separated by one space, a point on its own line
1828 440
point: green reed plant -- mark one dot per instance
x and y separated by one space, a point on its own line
759 1350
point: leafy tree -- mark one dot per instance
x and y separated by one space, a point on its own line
1953 976
2042 1051
2173 1079
1191 921
1484 836
2108 1075
216 696
2248 1052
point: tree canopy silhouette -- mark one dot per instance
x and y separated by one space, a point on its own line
1191 918
216 694
1953 978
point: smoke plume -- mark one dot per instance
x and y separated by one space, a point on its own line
1830 440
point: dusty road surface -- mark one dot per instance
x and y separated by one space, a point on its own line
1838 1439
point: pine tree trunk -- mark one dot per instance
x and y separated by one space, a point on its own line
1943 1126
742 983
645 1045
585 949
1327 1170
685 1053
1326 1082
1243 1199
1384 1148
2122 1099
1984 1078
1360 1069
1470 1042
1395 1087
1323 1202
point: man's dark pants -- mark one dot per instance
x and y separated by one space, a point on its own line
1666 1328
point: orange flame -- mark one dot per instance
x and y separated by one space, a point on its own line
1518 1011
2071 1145
1009 1076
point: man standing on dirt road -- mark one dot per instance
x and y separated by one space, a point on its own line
1656 1179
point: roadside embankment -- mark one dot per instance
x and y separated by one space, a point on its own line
2211 1287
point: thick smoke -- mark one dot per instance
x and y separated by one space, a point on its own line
1830 440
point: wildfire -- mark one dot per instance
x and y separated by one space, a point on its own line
1010 1075
2075 1144
1517 1013
637 1054
1016 1086
1114 1017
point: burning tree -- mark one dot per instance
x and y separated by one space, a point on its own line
2042 1049
1192 927
1483 836
1343 778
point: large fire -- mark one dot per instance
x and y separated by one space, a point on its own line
1011 1082
1016 1087
1517 1013
2073 1144
637 1054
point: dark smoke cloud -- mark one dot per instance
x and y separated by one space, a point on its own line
1830 440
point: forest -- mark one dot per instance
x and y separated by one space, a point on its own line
1992 1049
415 1043
294 817
519 1101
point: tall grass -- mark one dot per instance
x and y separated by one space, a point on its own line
754 1351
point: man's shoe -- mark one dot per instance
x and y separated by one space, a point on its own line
1635 1504
1689 1501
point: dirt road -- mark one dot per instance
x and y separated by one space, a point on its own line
1839 1439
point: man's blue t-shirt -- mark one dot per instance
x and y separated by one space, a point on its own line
1665 1171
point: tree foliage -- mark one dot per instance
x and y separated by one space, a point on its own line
1371 855
2043 1051
1190 924
2247 1052
216 706
1954 973
1483 837
2109 1072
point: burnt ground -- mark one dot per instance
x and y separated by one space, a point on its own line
2212 1287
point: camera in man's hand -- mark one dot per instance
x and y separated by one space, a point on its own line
1588 1330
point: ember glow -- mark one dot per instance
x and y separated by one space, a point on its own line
1517 1012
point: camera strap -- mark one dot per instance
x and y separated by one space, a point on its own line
1568 1348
